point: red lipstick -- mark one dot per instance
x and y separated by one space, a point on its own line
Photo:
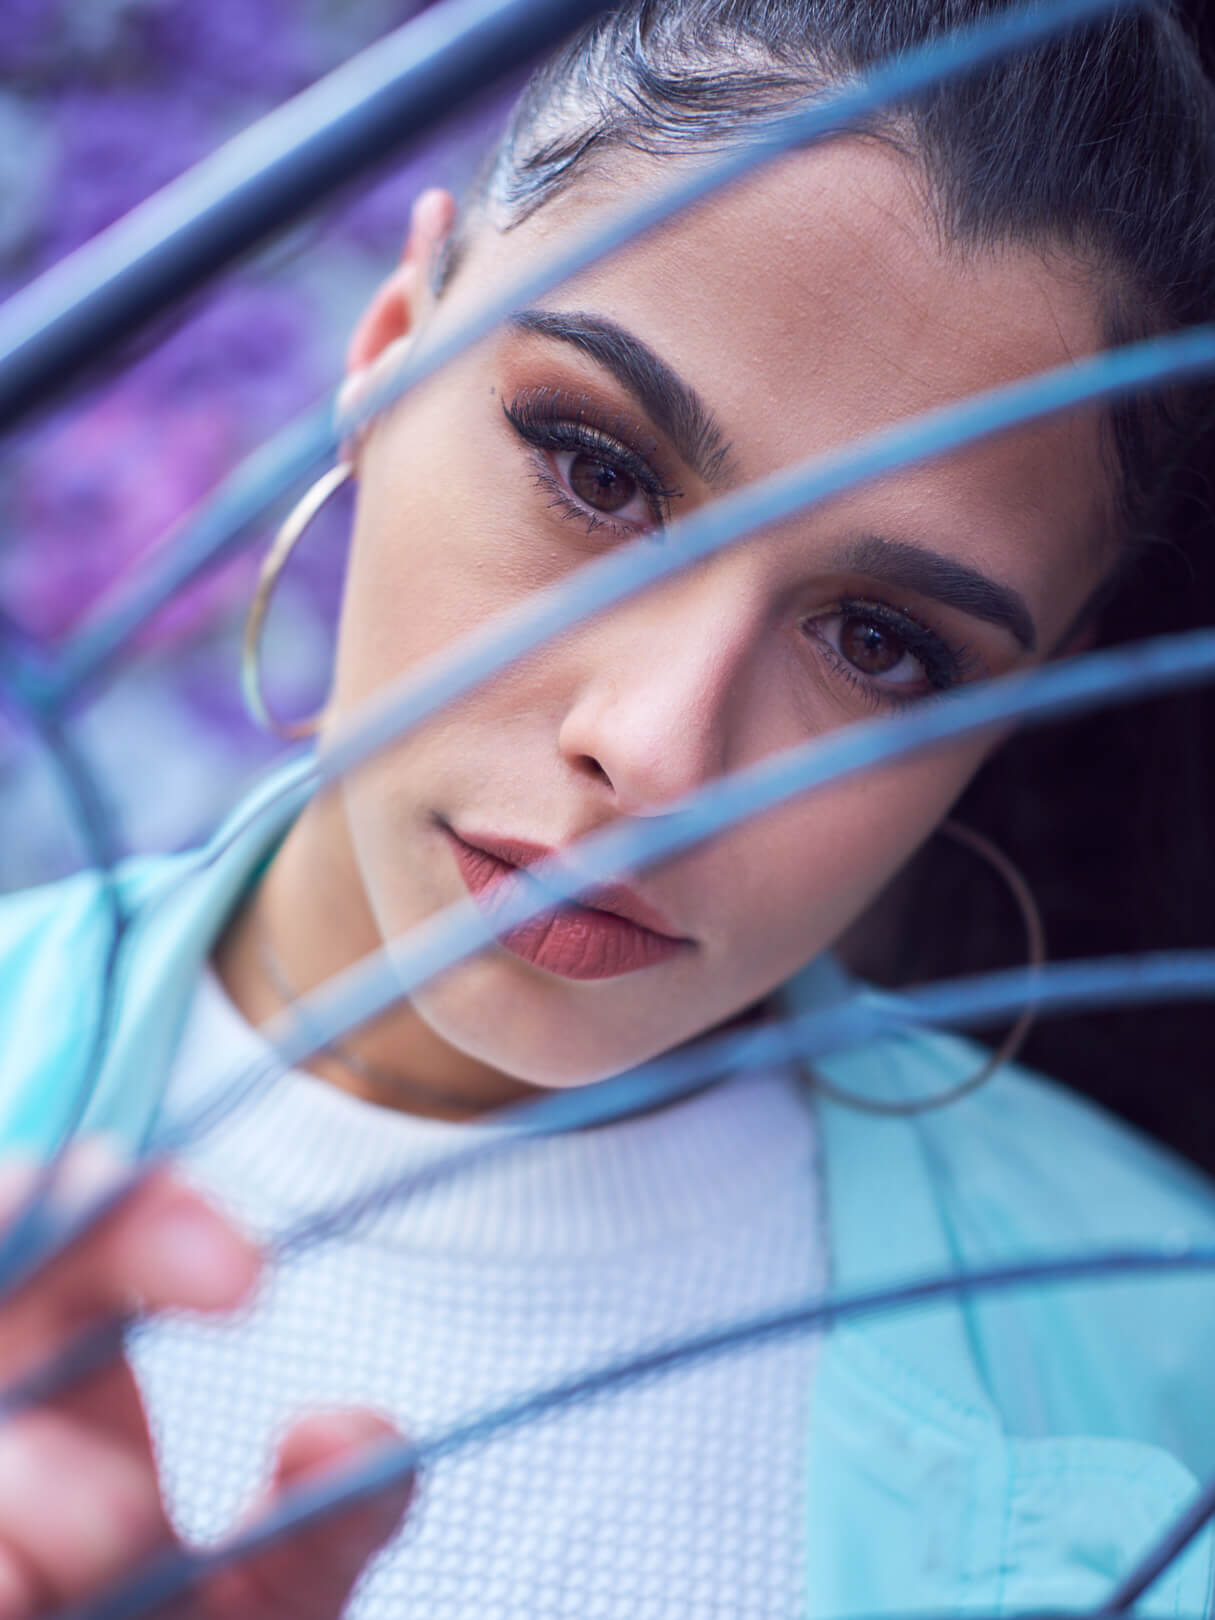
618 933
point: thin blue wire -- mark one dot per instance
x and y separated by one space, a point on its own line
1166 1550
1062 987
1164 976
201 541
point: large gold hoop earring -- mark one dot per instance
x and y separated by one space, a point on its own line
297 520
1035 939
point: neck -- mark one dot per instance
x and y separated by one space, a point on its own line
312 909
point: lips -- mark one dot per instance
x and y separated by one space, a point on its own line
620 933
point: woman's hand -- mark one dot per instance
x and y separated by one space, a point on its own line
80 1504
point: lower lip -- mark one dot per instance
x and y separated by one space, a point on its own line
577 942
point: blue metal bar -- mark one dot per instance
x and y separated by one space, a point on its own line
1167 1548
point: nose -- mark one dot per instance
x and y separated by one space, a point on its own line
660 694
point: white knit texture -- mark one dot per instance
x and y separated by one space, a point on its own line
683 1496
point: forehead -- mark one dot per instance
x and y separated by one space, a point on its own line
819 301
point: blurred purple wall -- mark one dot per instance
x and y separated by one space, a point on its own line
100 104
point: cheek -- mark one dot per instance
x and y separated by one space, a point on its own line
802 875
444 539
408 594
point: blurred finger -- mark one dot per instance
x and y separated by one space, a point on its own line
163 1246
310 1576
79 1501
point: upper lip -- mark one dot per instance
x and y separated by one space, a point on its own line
617 898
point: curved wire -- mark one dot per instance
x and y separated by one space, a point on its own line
1167 1549
1066 987
614 578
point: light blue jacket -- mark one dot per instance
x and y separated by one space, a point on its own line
990 1455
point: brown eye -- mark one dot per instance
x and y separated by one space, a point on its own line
887 654
871 647
602 486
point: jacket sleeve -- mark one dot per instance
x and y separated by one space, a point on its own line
57 943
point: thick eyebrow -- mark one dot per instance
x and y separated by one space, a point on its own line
945 580
670 402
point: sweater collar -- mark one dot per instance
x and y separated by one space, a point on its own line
709 1162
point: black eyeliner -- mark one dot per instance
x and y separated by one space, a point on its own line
549 419
944 665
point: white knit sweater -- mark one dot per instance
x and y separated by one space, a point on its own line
682 1496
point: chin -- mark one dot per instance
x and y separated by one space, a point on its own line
556 1047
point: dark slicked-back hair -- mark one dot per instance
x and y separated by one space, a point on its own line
1100 144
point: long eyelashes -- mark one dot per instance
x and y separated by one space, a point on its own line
943 664
552 421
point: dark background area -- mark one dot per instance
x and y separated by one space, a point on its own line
1202 20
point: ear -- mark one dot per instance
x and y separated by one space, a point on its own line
401 302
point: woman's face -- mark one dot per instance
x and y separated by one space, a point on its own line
813 304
